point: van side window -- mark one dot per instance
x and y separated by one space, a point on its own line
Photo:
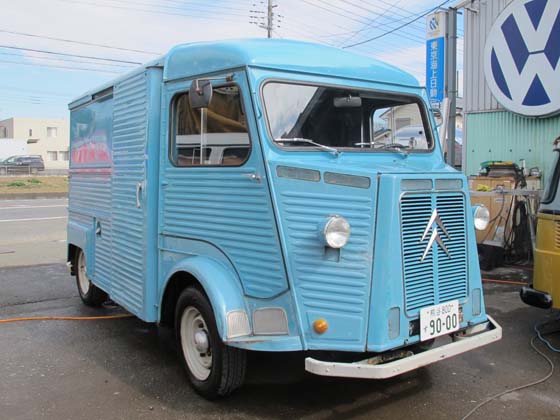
225 141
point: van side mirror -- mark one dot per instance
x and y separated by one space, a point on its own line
200 93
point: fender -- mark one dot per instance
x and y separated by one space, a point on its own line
80 236
220 283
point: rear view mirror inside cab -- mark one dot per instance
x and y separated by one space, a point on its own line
347 101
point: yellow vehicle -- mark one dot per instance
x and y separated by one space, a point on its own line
545 290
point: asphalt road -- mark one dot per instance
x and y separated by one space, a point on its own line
126 369
32 231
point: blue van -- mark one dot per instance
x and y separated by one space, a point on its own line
254 196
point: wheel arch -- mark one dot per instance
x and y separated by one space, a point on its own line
218 283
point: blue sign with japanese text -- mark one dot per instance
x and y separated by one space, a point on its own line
435 69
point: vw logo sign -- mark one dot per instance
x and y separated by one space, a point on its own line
521 57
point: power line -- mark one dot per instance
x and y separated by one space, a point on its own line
369 25
77 42
69 55
398 27
40 92
60 59
58 67
332 11
148 11
211 6
185 9
363 21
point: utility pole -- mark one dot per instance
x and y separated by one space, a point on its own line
269 19
258 17
451 85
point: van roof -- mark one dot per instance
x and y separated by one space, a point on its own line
188 60
279 54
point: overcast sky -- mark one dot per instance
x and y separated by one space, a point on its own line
35 84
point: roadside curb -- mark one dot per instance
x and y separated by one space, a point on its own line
32 196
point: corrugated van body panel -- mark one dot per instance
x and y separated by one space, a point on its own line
129 227
90 203
226 208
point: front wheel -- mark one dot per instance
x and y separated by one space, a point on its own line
90 294
214 369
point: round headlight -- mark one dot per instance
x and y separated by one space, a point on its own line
481 217
336 231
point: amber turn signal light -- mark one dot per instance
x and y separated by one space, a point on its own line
320 326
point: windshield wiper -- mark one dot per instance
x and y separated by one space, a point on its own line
395 147
308 141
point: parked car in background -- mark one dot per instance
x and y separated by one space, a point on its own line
25 164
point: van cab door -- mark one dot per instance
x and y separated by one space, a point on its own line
215 192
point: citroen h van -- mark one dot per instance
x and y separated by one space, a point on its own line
254 195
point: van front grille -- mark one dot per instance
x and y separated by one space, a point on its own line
431 276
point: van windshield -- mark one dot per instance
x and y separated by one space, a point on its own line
324 117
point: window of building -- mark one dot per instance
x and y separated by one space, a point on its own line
52 131
63 154
225 141
3 132
403 122
52 156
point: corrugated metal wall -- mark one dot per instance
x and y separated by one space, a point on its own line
506 136
491 132
477 26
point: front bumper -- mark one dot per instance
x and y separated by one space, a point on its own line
471 339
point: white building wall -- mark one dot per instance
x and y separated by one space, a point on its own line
49 138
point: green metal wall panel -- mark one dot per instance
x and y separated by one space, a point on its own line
502 135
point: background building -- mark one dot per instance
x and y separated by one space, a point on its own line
46 137
511 61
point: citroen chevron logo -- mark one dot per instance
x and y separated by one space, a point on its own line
433 224
522 55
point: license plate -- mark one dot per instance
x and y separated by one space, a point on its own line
439 320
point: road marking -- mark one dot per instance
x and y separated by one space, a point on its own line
36 200
32 219
33 207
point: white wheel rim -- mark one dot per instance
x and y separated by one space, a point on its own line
193 331
83 279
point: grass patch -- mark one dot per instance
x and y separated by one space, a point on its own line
17 184
44 184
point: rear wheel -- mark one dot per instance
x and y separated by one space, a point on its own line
90 294
214 369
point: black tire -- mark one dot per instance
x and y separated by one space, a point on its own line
93 296
228 364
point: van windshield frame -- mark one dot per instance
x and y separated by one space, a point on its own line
303 144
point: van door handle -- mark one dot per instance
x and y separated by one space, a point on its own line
138 192
254 177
